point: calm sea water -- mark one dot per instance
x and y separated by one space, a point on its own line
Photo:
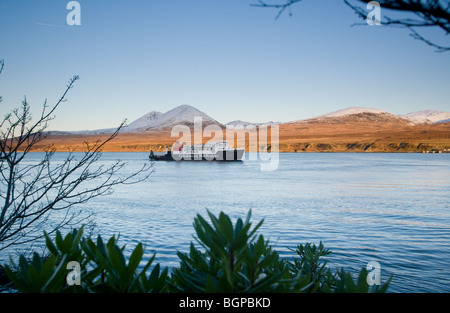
389 208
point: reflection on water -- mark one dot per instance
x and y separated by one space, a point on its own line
389 208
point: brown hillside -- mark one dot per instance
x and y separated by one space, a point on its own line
366 132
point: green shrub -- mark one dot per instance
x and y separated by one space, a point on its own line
37 275
234 260
103 267
310 266
346 284
112 273
48 274
231 257
68 246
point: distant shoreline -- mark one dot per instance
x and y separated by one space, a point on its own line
360 137
281 152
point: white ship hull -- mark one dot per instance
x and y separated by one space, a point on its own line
229 155
218 151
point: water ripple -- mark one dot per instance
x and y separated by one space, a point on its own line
392 208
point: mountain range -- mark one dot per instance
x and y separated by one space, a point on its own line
428 116
185 114
419 117
158 121
353 129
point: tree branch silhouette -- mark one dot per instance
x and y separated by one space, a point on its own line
426 14
281 7
31 193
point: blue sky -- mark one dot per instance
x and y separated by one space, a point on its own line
228 59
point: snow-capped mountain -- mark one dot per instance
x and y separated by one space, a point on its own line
245 124
144 121
420 117
183 114
427 116
350 111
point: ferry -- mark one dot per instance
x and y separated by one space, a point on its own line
212 151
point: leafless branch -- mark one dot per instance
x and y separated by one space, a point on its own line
30 193
426 14
281 7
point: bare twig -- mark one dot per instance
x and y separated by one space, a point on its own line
30 193
280 7
428 13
